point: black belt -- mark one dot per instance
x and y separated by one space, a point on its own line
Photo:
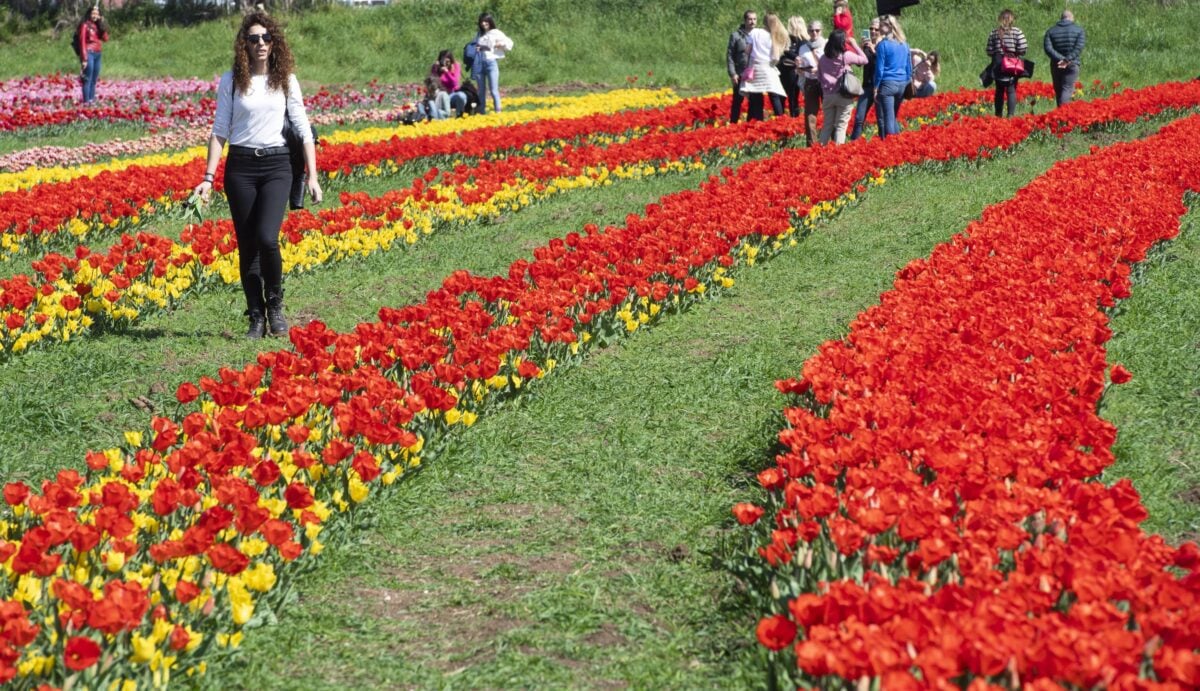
258 152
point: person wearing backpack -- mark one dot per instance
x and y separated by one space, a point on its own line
492 45
88 42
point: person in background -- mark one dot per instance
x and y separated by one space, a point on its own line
428 107
762 77
1064 44
840 52
91 34
893 72
812 88
788 63
493 46
449 75
842 19
1006 40
253 99
737 59
867 100
926 69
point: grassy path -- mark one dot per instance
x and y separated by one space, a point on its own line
566 541
1156 333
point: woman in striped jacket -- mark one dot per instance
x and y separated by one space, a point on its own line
1006 40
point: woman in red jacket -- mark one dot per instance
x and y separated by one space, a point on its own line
91 35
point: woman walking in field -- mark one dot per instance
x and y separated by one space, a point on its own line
90 36
893 72
253 99
1006 45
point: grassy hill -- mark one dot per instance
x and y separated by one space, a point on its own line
681 42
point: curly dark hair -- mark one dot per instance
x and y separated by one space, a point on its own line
280 63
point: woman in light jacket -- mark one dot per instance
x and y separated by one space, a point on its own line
492 46
252 100
765 78
840 53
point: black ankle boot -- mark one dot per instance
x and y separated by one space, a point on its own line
275 319
258 325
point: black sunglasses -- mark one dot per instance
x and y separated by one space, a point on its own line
253 39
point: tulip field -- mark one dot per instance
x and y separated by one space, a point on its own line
935 513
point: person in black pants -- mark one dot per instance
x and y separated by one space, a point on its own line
253 100
737 59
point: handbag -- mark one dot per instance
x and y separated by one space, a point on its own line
748 74
849 86
295 145
1012 66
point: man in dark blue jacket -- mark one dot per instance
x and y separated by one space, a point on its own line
1064 43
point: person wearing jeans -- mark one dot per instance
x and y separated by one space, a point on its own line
893 72
867 100
493 45
90 35
737 59
1064 44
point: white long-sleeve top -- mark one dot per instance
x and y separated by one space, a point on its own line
255 118
497 42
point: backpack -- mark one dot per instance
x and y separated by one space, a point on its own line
468 87
470 51
75 42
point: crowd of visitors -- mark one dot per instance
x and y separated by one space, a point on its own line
794 62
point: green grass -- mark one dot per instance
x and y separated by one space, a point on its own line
558 42
564 540
1156 334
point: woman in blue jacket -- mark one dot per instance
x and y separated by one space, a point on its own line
893 72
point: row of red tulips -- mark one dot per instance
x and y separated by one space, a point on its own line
168 544
68 294
114 199
935 518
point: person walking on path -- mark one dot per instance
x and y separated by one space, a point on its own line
90 35
493 45
840 53
1064 44
893 72
737 59
253 99
1006 41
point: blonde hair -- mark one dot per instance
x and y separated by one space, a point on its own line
891 26
797 27
779 36
1005 22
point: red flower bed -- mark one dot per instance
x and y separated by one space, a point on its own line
239 486
935 519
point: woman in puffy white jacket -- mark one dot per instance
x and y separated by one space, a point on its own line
765 51
492 45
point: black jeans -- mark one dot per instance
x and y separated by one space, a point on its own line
258 190
735 110
756 106
1006 89
792 88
